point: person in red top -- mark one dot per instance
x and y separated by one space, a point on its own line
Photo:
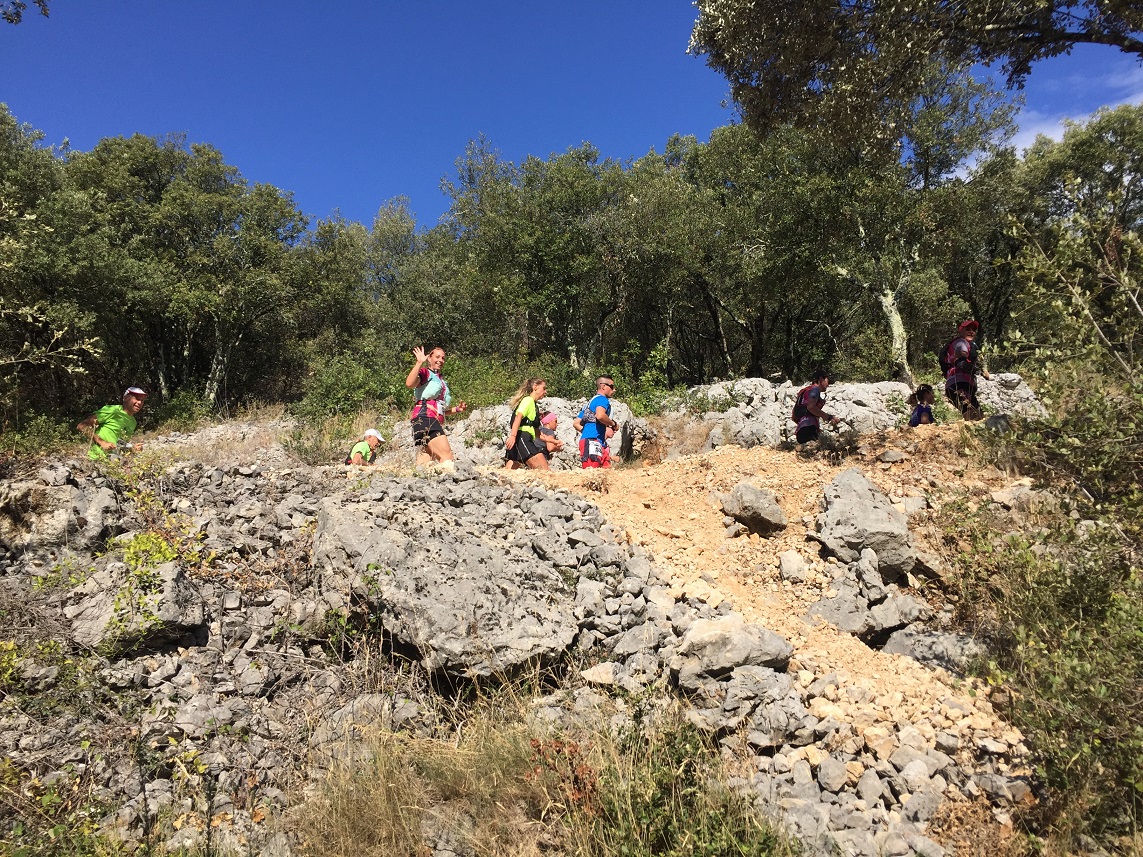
812 400
962 361
434 401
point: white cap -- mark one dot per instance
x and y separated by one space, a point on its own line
133 391
374 433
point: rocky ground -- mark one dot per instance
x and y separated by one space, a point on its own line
189 693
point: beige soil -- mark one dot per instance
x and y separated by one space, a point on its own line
673 510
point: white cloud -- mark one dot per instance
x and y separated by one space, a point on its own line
1076 95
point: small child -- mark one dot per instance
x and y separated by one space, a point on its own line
923 400
548 434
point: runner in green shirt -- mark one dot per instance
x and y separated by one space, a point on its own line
112 424
365 450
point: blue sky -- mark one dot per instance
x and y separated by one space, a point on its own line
350 104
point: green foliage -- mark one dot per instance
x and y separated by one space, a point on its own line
9 665
1069 602
943 411
644 392
479 381
147 551
57 819
321 441
348 384
857 67
868 358
12 11
37 435
185 411
1067 618
655 790
660 795
1092 440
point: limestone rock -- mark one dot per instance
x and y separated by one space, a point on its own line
857 515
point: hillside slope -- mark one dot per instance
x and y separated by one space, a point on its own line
197 612
673 509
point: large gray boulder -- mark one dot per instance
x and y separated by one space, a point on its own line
754 507
52 510
715 647
754 701
857 515
1007 393
119 610
464 598
950 651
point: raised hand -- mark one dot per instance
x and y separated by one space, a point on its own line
419 353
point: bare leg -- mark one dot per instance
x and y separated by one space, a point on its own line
423 457
538 462
439 449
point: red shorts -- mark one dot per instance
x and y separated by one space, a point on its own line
599 455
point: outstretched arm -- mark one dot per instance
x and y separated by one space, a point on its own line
814 406
415 373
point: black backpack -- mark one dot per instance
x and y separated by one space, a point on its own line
946 356
800 409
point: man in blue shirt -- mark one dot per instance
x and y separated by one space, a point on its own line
596 419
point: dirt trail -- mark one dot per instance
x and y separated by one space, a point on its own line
673 511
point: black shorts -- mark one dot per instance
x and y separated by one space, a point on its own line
807 433
526 447
963 396
425 428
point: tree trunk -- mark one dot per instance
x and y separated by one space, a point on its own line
898 337
220 364
161 374
716 318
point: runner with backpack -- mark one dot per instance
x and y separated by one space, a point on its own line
595 425
809 408
434 401
523 446
960 364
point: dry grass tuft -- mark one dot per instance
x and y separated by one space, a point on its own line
232 442
682 434
494 784
472 787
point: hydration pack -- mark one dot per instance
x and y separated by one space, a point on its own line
800 409
948 359
946 356
434 388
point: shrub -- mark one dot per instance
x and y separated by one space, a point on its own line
184 411
660 791
496 786
36 435
1066 616
1068 611
349 383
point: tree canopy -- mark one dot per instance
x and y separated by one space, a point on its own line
13 11
857 65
